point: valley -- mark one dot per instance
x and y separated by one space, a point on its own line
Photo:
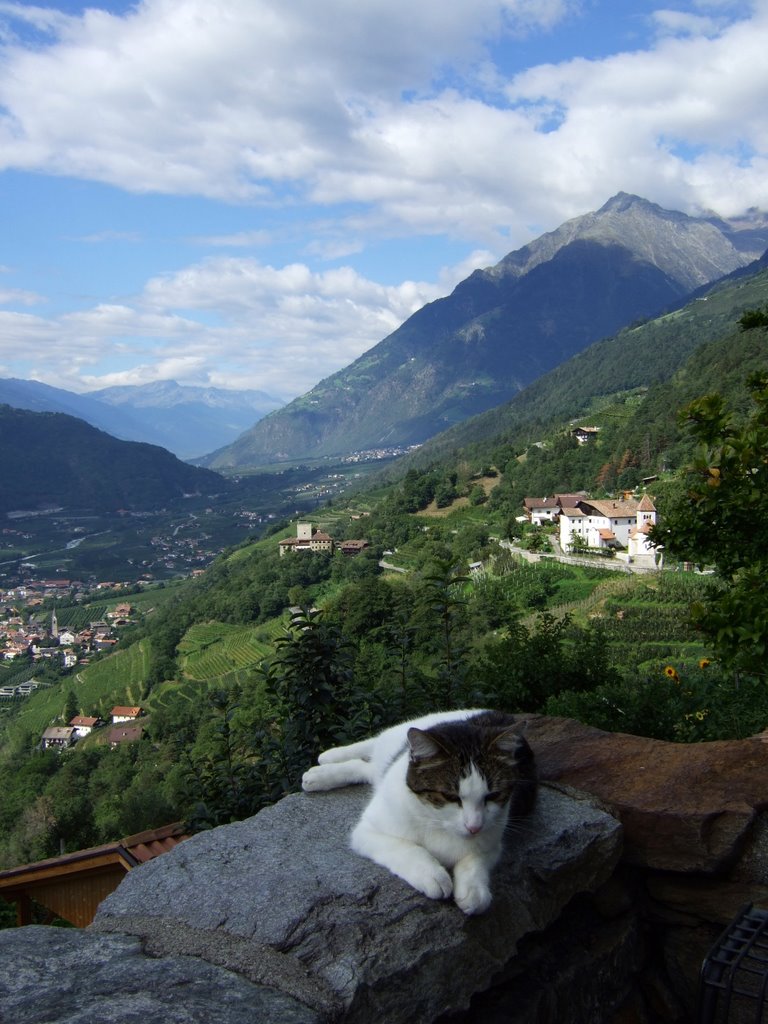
128 546
247 651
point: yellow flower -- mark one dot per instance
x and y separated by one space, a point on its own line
671 673
701 715
703 662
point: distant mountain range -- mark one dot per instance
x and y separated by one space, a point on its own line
504 327
188 421
51 459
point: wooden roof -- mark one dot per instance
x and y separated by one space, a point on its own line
125 734
72 886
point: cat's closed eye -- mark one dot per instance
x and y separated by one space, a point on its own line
452 798
491 798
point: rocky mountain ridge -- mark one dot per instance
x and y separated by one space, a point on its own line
503 328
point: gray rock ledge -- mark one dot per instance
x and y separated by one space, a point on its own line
276 914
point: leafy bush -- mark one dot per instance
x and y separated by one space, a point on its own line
686 706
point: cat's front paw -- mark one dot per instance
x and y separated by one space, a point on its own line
433 880
316 779
472 896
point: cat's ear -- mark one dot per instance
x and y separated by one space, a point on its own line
422 745
512 744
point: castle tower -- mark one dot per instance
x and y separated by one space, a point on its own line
646 512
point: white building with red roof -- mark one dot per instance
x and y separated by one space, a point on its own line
307 538
622 524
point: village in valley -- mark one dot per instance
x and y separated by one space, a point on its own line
64 646
31 637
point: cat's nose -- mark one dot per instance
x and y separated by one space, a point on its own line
474 828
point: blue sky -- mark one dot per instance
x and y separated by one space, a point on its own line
251 193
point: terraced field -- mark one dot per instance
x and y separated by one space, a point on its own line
219 651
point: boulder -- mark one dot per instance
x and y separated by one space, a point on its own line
281 900
688 807
67 975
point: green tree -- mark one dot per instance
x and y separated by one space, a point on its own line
720 518
753 318
443 607
71 709
522 669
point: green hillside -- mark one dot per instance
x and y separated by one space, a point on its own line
84 467
117 679
641 357
217 651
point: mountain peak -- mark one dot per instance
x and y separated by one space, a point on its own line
691 250
500 329
623 201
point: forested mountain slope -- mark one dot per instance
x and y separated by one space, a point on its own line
637 357
49 458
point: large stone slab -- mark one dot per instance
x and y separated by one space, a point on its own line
282 900
684 806
66 976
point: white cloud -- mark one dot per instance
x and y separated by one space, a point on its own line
218 96
19 297
227 321
97 237
684 23
245 99
238 240
380 119
664 122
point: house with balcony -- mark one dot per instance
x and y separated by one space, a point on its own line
58 737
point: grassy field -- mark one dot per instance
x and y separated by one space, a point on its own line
644 619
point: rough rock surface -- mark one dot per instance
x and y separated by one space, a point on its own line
281 899
277 914
63 975
684 806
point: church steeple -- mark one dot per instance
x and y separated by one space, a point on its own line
54 625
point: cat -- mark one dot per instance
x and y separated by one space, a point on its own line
445 786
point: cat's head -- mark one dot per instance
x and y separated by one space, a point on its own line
469 776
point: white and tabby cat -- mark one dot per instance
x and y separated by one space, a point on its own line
445 786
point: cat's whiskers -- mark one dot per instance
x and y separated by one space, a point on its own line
520 826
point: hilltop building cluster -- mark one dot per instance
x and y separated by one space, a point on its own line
619 526
309 538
